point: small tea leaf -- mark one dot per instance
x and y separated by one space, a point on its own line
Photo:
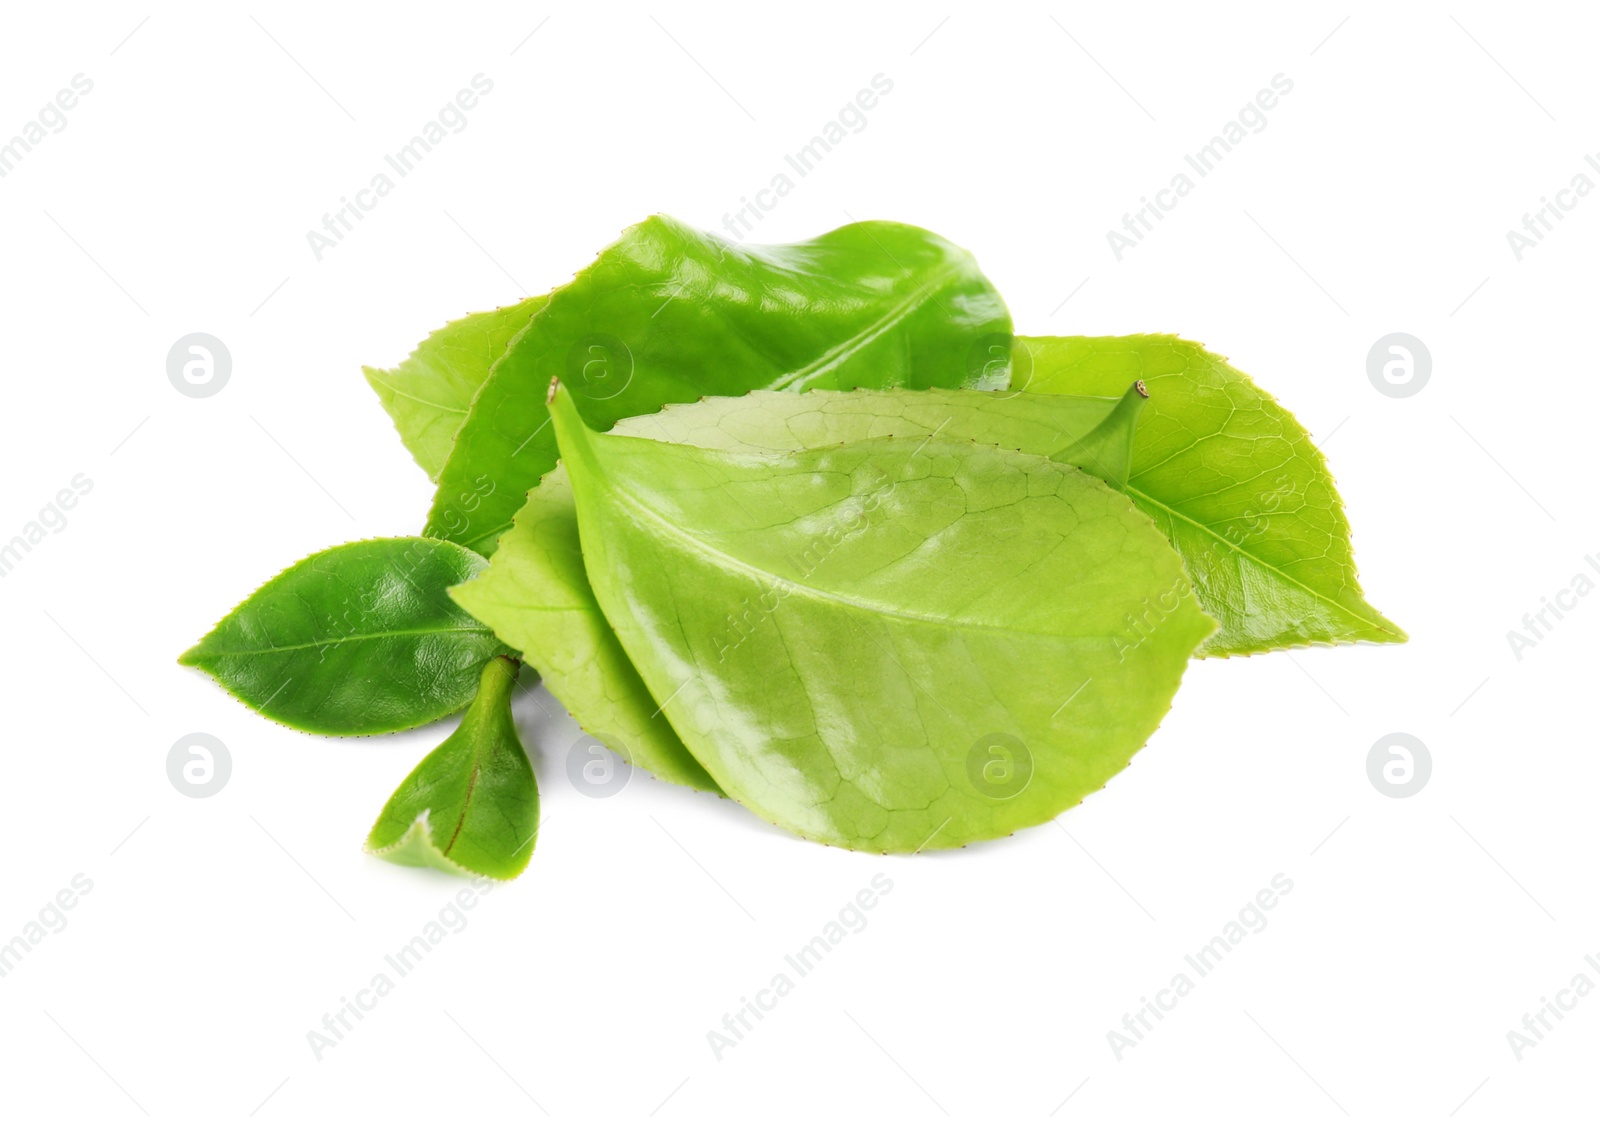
355 640
537 597
1234 481
471 806
890 644
668 313
427 395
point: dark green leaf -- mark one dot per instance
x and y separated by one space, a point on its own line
356 640
471 806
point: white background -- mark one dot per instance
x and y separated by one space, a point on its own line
219 931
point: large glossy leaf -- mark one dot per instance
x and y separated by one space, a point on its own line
1234 481
428 394
537 596
889 644
668 313
355 640
471 806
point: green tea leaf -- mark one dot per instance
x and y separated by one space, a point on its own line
889 644
471 806
427 395
1234 481
668 314
537 596
536 591
355 640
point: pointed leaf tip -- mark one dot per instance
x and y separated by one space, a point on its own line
1215 426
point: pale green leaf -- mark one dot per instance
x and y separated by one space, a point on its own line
428 394
890 644
537 596
1234 481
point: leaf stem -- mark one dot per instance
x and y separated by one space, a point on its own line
494 685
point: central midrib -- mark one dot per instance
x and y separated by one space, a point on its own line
868 333
466 804
398 392
1134 492
358 637
676 533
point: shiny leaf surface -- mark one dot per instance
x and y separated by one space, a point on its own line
891 644
355 640
537 597
670 314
